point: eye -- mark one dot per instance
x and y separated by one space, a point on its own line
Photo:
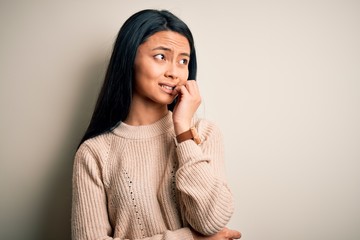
160 56
184 61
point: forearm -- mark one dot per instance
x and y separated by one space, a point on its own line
207 200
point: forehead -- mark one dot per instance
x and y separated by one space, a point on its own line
168 39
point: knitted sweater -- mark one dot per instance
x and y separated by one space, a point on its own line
137 182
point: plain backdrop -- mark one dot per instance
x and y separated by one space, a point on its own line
280 78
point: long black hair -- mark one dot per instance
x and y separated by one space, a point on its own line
114 100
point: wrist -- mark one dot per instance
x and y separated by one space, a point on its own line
180 128
190 134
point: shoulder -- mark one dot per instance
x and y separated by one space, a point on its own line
96 148
93 155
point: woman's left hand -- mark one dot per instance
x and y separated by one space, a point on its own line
224 234
188 101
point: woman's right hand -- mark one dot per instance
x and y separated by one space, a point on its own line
189 100
224 234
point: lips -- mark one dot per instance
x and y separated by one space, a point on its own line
167 88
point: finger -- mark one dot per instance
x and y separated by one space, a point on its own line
176 91
192 87
193 91
183 89
233 234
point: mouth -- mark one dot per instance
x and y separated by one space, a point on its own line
167 88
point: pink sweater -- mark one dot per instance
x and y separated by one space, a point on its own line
136 182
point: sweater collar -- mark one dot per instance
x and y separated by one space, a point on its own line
157 128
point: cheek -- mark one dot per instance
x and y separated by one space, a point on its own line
183 81
146 72
185 75
154 71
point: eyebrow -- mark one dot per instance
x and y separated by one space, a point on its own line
168 49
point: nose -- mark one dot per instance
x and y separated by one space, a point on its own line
172 71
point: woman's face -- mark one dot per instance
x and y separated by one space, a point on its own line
161 64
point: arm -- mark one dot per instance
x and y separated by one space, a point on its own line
90 218
207 200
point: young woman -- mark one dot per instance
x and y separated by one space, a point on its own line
146 167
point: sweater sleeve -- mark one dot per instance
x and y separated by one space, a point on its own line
90 220
206 199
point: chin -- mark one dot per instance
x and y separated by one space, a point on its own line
166 100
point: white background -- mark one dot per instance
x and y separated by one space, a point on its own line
281 79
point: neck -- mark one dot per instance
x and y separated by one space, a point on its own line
141 114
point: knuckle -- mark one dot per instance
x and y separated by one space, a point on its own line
198 100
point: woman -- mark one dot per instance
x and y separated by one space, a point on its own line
146 168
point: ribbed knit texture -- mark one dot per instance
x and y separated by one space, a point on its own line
136 183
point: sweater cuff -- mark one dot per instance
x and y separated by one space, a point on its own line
188 151
184 234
